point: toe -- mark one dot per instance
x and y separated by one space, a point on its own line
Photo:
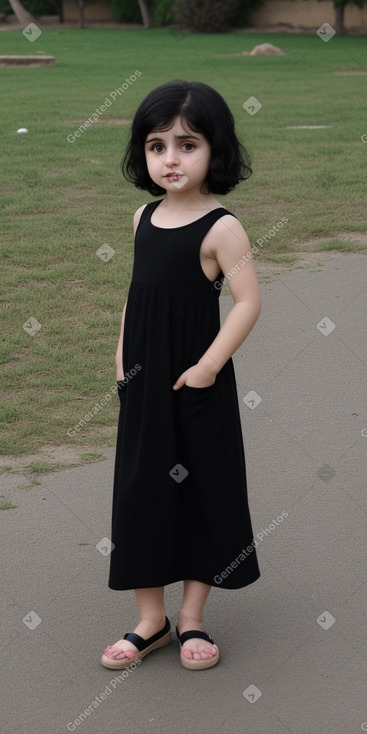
109 654
131 653
198 651
208 653
121 654
115 653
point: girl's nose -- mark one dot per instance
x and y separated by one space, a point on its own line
171 158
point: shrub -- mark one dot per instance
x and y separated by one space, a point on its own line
160 11
126 12
208 16
35 7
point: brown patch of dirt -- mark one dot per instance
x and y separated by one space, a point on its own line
49 455
307 257
359 238
28 61
350 73
264 49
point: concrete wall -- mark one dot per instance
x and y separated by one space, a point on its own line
305 15
98 11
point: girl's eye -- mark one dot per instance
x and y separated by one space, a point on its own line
159 147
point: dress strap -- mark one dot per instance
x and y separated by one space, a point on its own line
148 209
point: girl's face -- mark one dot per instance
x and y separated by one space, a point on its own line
177 158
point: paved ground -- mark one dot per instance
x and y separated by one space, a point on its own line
294 644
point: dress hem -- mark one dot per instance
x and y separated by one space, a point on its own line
151 585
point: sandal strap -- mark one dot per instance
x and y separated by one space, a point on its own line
190 634
142 644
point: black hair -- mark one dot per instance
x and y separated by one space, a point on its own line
205 112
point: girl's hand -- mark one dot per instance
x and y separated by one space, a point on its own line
196 376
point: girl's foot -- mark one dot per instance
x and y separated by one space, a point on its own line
195 648
125 649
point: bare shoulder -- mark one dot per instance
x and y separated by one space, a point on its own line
137 216
227 232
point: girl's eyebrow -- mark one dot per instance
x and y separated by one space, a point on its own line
178 137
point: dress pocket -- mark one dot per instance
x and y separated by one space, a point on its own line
200 429
198 402
206 387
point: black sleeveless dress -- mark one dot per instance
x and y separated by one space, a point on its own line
180 508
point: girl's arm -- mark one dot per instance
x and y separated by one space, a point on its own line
231 249
119 365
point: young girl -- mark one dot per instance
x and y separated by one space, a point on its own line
180 508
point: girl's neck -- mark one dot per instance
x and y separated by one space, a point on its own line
184 201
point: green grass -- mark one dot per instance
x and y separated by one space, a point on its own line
62 201
6 505
341 246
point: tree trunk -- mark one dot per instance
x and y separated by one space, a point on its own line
144 13
80 4
59 5
21 13
339 18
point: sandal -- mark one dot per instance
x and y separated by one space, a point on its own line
196 664
144 646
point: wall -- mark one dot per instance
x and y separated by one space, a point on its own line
305 15
285 15
93 11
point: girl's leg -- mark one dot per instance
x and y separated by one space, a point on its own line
190 618
152 620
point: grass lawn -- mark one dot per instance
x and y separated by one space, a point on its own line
64 200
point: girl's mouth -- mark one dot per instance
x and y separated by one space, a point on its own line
172 176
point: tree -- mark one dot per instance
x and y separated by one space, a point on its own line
24 17
80 4
339 6
59 7
144 13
